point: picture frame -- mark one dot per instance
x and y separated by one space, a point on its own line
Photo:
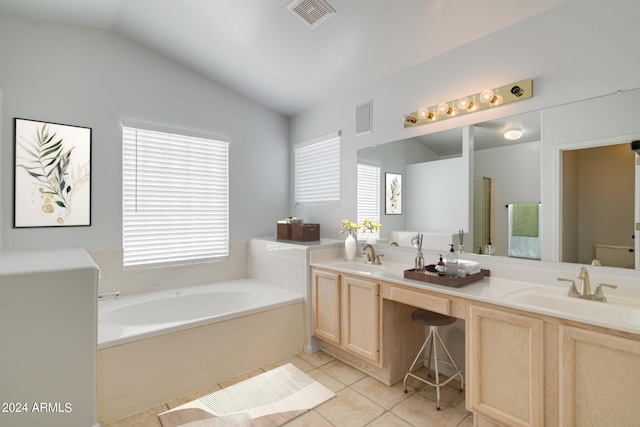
393 193
52 174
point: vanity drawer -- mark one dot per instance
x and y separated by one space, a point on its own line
419 299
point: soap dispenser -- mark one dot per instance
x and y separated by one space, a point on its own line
451 267
488 249
440 267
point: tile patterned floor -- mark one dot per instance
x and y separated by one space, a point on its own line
360 400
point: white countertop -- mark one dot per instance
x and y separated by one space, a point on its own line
619 313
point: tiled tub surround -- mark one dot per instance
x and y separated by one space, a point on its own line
136 372
285 265
113 276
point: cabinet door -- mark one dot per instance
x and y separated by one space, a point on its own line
599 379
505 366
360 322
326 305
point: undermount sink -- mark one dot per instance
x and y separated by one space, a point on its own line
615 310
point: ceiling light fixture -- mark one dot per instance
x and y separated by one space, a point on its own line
513 134
488 98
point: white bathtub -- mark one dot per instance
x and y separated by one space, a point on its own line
158 346
136 317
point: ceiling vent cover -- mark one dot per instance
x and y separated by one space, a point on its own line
312 12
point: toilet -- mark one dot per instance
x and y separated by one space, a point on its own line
615 255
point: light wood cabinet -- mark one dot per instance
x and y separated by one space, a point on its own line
346 312
361 317
505 366
599 378
530 370
326 306
522 368
367 323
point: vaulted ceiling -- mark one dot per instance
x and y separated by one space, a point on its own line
261 50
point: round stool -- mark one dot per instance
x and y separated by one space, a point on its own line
433 320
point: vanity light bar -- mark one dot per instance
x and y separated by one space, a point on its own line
488 98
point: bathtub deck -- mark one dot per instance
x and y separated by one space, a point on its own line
145 373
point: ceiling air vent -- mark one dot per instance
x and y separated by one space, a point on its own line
312 12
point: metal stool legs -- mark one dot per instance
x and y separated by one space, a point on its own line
433 353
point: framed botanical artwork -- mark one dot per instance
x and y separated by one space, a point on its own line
393 193
52 175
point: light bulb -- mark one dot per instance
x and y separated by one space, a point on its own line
512 134
487 96
424 113
464 103
443 109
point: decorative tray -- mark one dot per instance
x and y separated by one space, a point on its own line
454 282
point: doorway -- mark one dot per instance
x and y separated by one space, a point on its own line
483 213
598 205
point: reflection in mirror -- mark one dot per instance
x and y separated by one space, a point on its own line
431 182
483 215
408 158
598 186
514 170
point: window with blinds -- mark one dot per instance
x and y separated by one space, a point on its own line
317 172
368 198
175 198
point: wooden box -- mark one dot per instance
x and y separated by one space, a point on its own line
454 282
284 232
305 232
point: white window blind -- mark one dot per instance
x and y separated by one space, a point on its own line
317 172
175 198
368 197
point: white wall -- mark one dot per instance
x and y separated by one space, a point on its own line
75 75
1 164
559 49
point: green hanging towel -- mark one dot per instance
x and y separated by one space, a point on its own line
525 219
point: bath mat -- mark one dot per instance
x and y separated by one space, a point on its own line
269 399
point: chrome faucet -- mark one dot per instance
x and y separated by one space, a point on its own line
585 287
109 295
372 258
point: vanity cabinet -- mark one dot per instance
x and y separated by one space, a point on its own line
358 321
522 368
525 369
326 306
505 366
599 378
361 317
346 312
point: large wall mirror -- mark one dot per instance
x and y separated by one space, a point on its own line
495 194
